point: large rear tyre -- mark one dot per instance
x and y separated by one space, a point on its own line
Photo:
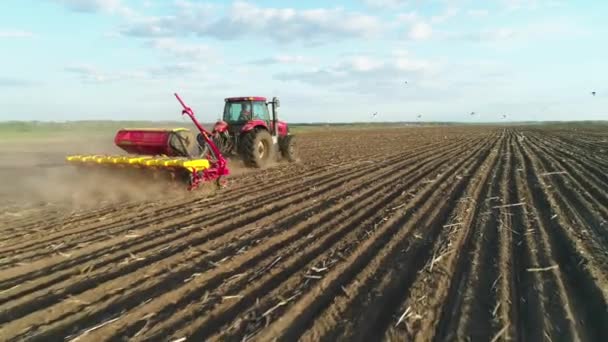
288 148
256 148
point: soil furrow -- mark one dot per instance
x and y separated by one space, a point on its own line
553 316
194 218
122 256
151 217
368 255
277 189
447 256
568 189
388 233
568 153
337 227
463 315
303 230
133 266
577 178
577 285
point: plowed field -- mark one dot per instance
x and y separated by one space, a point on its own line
481 233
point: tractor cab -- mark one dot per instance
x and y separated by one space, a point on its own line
242 114
238 111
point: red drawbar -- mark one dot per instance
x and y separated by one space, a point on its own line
146 142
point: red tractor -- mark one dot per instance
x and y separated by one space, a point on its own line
248 130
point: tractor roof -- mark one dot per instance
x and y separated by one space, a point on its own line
245 98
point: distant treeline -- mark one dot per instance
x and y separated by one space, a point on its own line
453 123
105 125
67 125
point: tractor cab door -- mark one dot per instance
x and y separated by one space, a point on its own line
260 112
236 115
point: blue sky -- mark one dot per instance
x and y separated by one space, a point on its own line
121 59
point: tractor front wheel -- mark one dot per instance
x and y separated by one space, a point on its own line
257 149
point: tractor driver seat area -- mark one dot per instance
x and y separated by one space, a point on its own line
245 114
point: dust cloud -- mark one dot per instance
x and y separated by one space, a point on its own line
79 188
36 174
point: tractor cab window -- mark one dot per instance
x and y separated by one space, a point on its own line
260 111
237 111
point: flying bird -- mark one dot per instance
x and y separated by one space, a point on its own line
472 113
419 116
593 93
375 114
405 82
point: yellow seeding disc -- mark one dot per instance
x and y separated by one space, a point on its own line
198 164
146 161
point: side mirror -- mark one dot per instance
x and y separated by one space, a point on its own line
276 101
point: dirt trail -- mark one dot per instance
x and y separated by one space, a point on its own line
482 233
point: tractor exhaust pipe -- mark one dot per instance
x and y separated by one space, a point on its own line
275 107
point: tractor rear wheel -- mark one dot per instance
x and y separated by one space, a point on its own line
288 148
257 149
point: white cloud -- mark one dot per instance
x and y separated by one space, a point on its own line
366 72
419 27
364 64
478 13
182 49
399 52
94 75
7 82
243 19
8 33
90 74
516 5
484 35
386 3
109 6
529 33
420 31
412 65
284 59
193 7
409 17
180 70
450 12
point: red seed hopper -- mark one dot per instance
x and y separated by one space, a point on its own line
174 153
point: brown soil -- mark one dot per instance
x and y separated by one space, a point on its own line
461 233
